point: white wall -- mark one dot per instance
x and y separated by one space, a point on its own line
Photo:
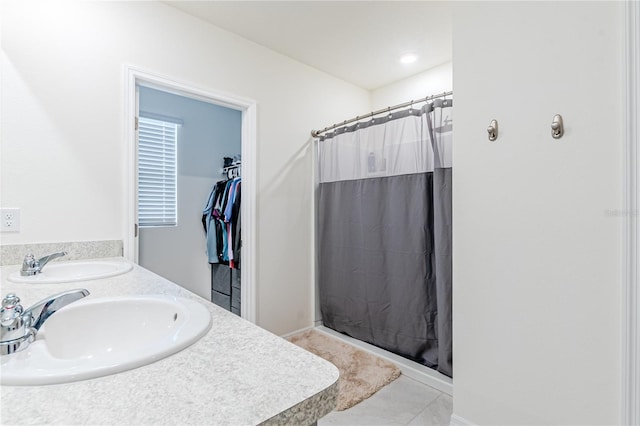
431 82
537 259
62 147
208 133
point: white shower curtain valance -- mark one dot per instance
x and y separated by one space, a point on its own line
397 144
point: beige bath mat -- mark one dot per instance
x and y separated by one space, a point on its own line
361 373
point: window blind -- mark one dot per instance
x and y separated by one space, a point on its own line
157 173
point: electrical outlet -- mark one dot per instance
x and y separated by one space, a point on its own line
10 220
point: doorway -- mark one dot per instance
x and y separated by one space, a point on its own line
170 239
181 146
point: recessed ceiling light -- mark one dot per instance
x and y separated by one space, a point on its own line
409 58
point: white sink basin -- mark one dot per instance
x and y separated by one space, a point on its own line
63 272
94 338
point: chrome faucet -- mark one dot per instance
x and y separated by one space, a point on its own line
18 327
32 266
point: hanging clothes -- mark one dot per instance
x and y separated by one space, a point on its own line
220 219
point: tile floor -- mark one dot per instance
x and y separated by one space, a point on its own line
402 402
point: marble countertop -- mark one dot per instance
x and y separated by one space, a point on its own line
237 374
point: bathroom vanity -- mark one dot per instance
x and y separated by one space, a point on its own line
237 374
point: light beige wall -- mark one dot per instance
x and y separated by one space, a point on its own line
62 127
430 82
537 259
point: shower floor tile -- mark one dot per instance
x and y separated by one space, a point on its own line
403 402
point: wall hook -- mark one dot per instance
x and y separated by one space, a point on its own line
557 127
493 130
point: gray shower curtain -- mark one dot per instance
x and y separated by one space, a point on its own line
384 233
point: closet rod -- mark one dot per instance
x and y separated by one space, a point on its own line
316 133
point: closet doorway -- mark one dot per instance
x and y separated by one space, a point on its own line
170 240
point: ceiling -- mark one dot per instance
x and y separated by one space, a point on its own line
357 41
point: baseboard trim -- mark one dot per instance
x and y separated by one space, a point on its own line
418 372
459 421
286 336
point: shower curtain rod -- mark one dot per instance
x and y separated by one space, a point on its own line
316 133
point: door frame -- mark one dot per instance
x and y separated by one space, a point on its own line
134 76
631 229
